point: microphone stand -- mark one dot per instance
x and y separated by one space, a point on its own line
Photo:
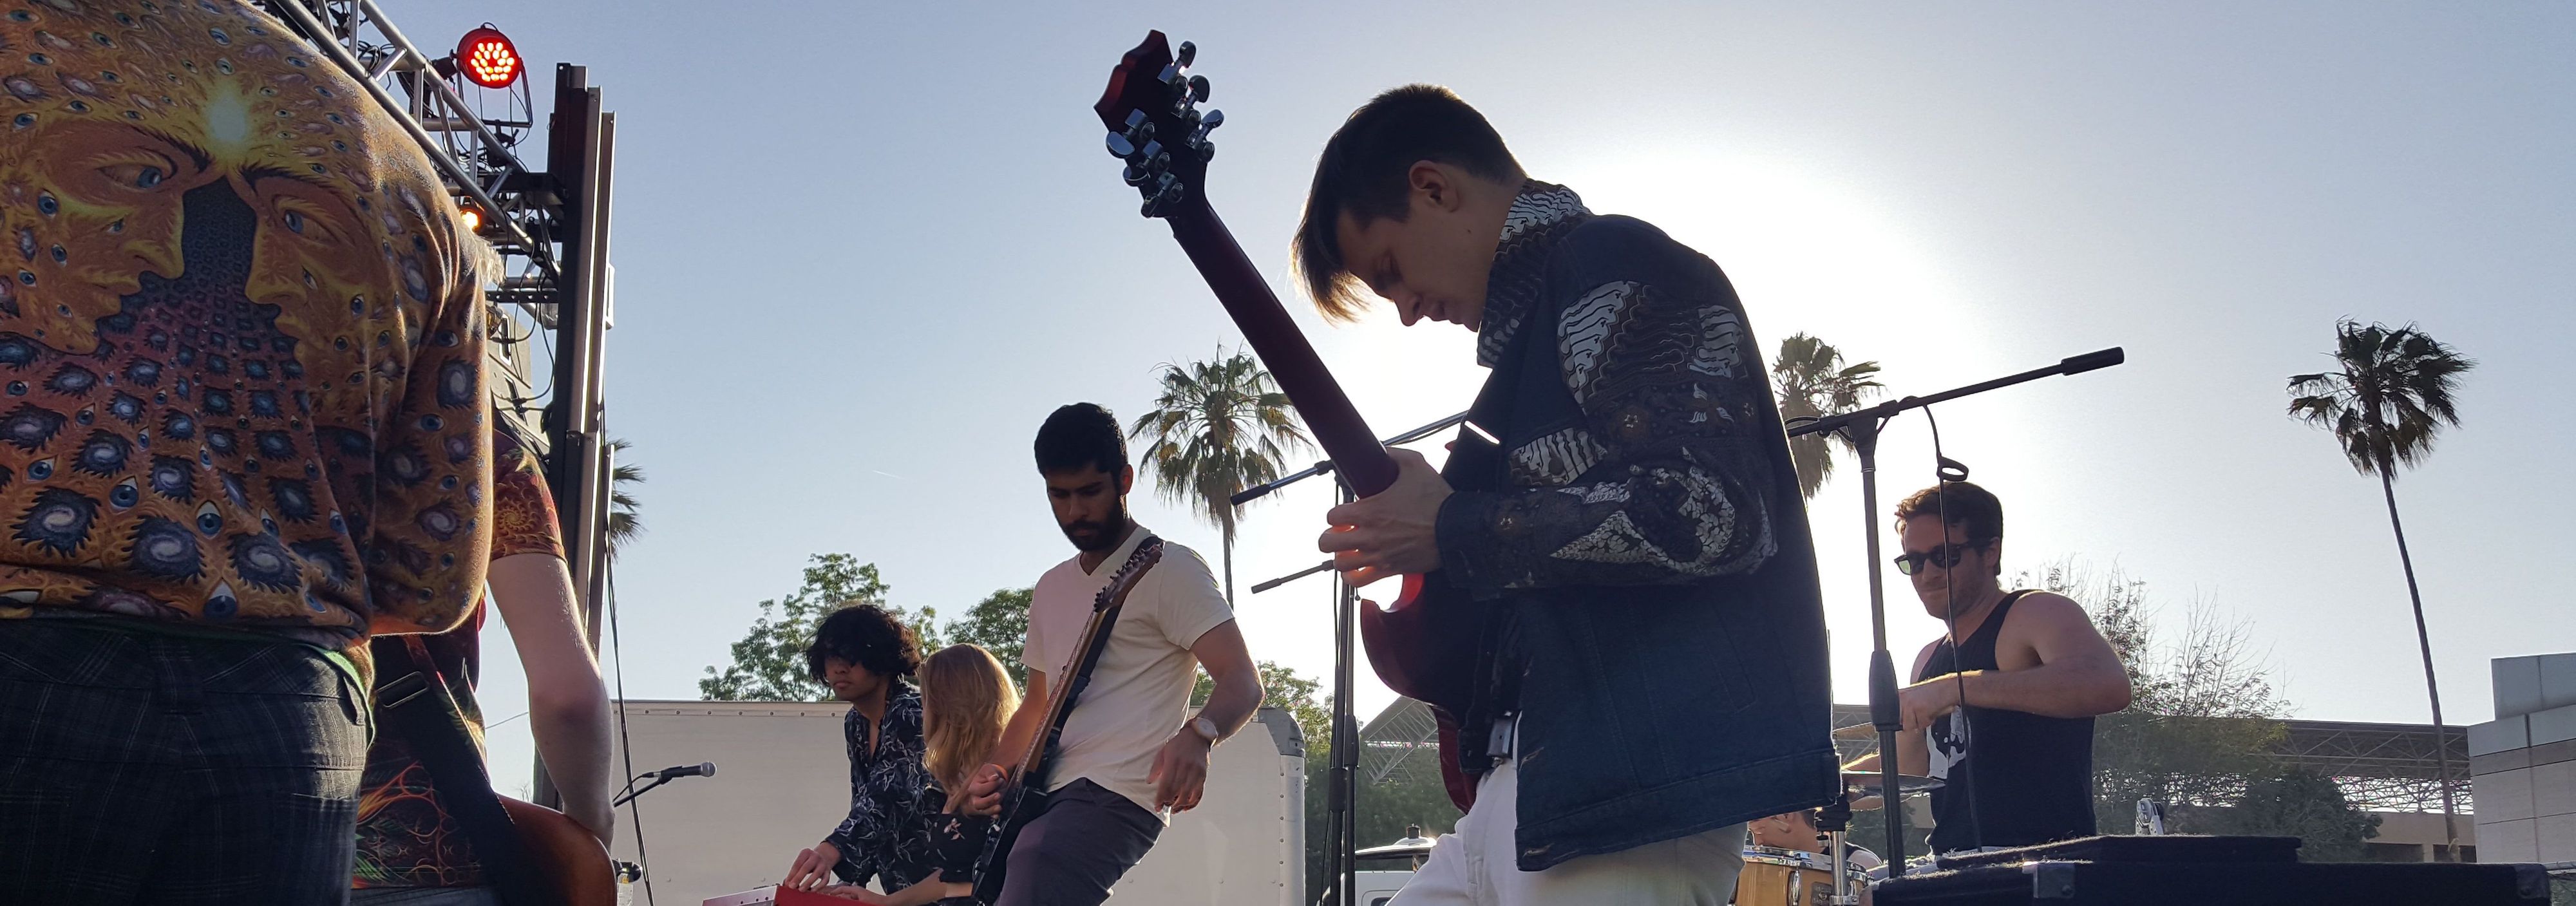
629 796
1861 427
1342 788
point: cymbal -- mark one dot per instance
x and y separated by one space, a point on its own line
1857 731
1906 784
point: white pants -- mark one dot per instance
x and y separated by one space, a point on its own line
1475 865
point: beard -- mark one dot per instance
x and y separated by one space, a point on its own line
1098 537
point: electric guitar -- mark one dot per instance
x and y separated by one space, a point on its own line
1424 646
1024 799
565 852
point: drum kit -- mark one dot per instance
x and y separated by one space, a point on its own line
1787 877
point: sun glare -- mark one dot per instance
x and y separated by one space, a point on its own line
1805 250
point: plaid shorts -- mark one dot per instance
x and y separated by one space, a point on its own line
145 768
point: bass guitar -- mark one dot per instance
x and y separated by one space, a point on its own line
1025 798
1423 647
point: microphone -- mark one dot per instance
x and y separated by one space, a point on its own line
2091 360
701 769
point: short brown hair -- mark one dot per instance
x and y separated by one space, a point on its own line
1972 508
1362 171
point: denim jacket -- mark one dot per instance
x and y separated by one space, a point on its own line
1635 548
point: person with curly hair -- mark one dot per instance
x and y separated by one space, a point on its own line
869 657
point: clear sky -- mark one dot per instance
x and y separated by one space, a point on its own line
863 249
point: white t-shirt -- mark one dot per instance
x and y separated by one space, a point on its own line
1140 691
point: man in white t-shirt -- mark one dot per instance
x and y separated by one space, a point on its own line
1130 749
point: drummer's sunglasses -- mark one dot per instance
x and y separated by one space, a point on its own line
1948 556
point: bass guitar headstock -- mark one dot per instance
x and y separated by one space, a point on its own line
1155 125
1148 553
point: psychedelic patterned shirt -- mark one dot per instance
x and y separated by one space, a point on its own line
406 838
241 339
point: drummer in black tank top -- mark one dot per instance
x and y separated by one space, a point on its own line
2031 669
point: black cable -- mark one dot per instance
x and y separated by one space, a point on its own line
625 744
1950 620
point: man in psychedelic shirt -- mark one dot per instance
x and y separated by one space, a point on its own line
411 850
242 427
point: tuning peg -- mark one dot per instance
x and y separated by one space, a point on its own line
1211 120
1199 88
1206 150
1119 146
1164 199
1188 53
1140 132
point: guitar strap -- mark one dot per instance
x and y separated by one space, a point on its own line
416 707
1088 660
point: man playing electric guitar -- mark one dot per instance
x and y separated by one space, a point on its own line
1129 748
1651 666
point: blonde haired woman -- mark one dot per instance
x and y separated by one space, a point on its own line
966 698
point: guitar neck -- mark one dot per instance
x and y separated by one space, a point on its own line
1274 336
1060 699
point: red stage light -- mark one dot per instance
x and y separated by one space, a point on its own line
487 58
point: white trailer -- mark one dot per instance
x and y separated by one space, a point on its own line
783 781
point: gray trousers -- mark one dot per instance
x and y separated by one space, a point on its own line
1085 841
143 768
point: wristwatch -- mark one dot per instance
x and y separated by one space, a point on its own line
1205 728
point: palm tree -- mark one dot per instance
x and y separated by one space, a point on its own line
1219 426
2392 395
1814 383
623 524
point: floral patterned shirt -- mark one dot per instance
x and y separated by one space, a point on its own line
887 835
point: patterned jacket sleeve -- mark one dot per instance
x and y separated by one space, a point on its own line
1668 478
858 862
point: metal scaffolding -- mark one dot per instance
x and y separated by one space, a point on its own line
551 230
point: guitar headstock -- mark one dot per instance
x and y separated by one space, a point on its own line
1152 111
1148 553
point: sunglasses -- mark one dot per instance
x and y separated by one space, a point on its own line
1948 556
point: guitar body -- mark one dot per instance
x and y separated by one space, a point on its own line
1424 647
1026 798
565 852
1024 801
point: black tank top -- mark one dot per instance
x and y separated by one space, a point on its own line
2030 776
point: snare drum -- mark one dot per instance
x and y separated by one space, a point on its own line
1788 877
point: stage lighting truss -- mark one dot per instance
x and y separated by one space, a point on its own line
468 110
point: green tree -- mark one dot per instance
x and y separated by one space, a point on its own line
1283 688
2203 721
769 662
2300 802
2387 400
999 624
624 524
1218 427
1813 382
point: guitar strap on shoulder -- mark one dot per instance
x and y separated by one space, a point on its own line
415 706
